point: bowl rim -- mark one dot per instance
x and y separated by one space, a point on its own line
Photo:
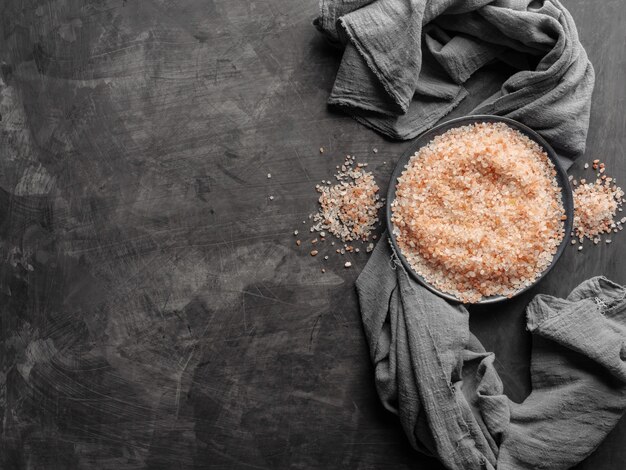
423 139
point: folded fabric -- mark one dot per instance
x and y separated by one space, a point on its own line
405 63
436 376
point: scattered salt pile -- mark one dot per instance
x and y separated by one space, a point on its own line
349 210
478 211
596 206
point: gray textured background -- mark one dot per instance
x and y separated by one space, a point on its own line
155 310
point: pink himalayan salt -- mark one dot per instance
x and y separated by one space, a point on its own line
478 211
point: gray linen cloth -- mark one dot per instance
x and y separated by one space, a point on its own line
436 376
405 63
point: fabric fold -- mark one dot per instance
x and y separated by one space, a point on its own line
405 63
437 377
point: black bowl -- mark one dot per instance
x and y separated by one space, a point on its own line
425 138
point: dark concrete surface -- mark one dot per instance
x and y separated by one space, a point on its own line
155 311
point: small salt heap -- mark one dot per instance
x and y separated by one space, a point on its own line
349 209
596 205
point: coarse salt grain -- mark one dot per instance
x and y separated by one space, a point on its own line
478 211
